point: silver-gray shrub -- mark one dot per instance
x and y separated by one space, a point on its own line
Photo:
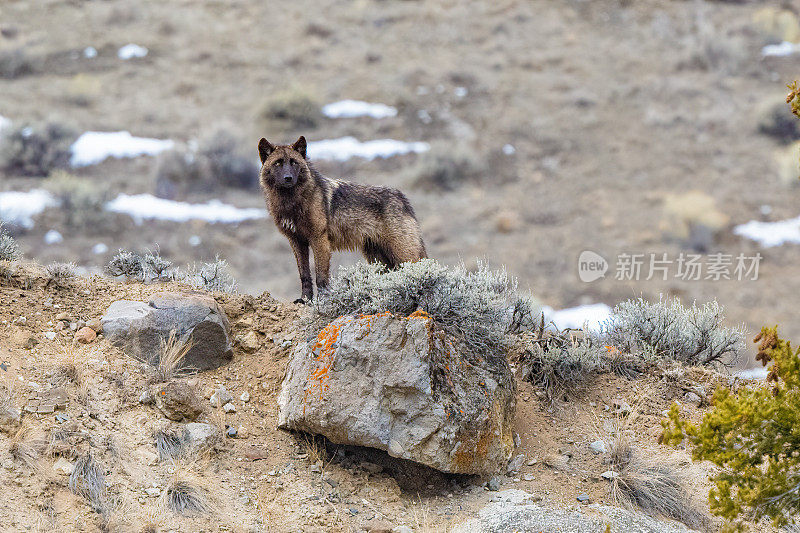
127 264
693 335
482 309
9 249
214 276
36 150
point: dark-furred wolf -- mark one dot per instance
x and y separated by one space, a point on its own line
327 214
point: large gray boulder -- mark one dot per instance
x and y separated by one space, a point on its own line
513 511
140 327
393 384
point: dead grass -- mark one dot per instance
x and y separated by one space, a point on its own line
87 480
28 446
169 445
173 352
60 274
648 482
188 494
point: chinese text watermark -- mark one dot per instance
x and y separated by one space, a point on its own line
660 266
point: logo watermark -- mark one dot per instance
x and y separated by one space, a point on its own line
659 266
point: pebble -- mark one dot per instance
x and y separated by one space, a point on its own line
153 492
315 469
85 335
583 498
50 335
493 484
231 432
245 397
598 447
220 397
532 462
21 321
691 397
528 477
64 467
229 408
609 475
95 324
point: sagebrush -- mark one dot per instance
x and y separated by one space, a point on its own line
9 249
447 168
669 330
481 310
82 201
213 276
36 150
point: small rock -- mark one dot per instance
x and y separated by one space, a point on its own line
493 484
231 432
73 326
255 453
21 321
608 474
50 335
10 418
178 401
402 529
316 469
622 407
532 461
64 467
516 463
146 398
245 397
583 498
85 335
63 316
229 408
153 492
517 440
61 418
528 477
199 436
96 324
220 397
249 342
691 397
598 447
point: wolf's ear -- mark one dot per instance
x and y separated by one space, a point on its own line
300 146
264 149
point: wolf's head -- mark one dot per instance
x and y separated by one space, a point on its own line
283 167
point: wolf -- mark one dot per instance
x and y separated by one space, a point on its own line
327 215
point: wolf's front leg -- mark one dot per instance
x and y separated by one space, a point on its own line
322 261
300 249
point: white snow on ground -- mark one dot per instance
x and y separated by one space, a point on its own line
130 51
99 248
770 234
592 316
753 373
148 207
344 148
53 237
90 52
94 146
783 49
356 108
19 208
4 122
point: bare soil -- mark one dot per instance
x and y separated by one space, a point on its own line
302 483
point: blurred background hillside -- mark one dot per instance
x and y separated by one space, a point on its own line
526 133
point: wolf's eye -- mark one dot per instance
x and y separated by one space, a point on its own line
278 163
293 162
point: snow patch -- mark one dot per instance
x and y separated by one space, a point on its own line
357 108
19 208
759 373
592 315
53 237
783 49
131 51
94 146
344 148
148 207
90 52
770 234
4 122
99 248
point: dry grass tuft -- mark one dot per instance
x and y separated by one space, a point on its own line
87 480
188 494
60 274
28 446
170 362
648 483
169 445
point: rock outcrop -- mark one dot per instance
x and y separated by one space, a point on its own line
394 384
140 328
